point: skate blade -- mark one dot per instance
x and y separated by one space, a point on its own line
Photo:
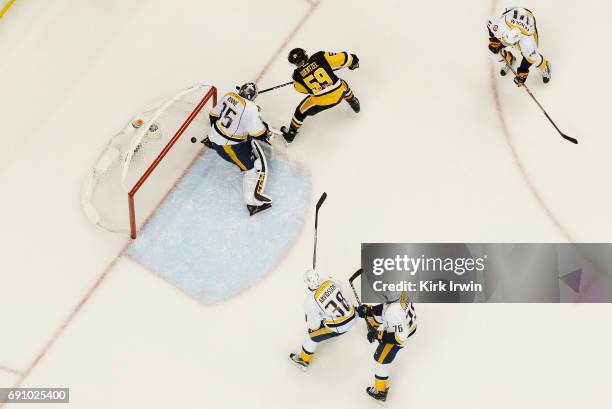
380 402
301 367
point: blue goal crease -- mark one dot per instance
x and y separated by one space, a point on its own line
202 239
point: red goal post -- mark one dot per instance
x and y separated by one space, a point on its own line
144 161
211 94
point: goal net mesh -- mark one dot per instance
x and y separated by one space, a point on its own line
144 161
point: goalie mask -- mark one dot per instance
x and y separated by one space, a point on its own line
248 91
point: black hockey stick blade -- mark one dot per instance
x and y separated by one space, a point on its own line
564 136
321 200
355 275
319 204
569 138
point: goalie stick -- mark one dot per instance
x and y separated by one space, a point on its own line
319 204
564 136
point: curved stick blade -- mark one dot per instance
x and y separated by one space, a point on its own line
569 138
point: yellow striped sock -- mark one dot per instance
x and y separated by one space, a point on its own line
380 384
306 356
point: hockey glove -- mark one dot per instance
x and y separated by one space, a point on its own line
495 45
363 311
507 57
207 143
267 136
355 63
372 335
521 78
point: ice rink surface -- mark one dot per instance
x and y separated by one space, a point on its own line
202 239
444 150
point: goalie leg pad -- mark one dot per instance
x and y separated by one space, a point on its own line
254 181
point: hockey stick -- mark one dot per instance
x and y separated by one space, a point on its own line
564 136
286 83
356 274
319 204
275 87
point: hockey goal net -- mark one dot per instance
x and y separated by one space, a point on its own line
142 163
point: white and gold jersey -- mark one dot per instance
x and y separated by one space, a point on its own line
235 120
524 21
327 306
398 318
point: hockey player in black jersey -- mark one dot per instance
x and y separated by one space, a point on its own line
315 76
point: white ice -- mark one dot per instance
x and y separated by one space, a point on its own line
427 159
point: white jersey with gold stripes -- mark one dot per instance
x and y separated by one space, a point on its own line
523 20
237 118
398 318
327 306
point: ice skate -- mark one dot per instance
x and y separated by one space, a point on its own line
298 361
289 134
354 103
380 397
546 73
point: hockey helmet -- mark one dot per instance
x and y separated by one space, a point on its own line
312 279
298 57
248 91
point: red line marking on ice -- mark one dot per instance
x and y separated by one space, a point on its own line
313 5
68 320
515 155
157 275
519 163
523 170
96 285
5 368
23 375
